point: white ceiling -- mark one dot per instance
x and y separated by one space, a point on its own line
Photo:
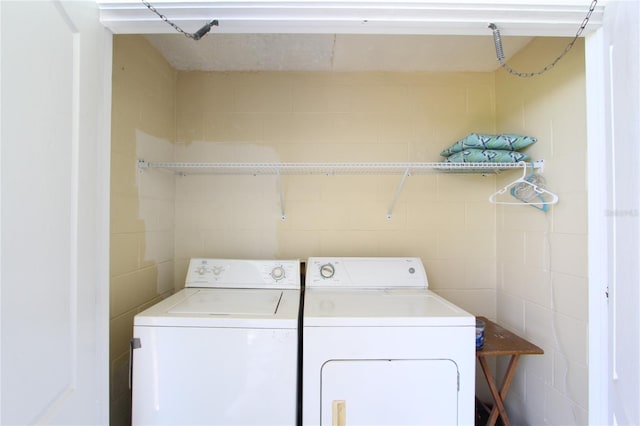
329 52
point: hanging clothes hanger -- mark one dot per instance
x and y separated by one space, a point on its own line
528 190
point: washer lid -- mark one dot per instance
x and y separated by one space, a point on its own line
237 308
343 308
229 302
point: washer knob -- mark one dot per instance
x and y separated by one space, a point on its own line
327 270
278 273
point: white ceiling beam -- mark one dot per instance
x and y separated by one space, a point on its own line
461 17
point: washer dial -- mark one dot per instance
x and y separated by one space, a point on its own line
327 270
278 273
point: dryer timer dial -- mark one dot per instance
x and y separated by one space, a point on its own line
327 270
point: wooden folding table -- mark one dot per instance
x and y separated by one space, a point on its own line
499 341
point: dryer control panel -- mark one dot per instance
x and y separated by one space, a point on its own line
239 273
366 272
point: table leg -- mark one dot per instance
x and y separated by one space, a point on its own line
495 393
499 395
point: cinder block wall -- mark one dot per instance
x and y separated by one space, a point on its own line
338 117
142 206
542 257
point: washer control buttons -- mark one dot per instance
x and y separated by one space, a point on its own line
278 273
327 270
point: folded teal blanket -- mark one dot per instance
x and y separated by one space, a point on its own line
507 142
486 156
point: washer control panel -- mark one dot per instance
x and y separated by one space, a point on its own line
366 272
238 273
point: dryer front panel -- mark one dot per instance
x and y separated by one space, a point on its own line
366 392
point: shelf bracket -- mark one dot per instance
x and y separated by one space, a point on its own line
280 189
397 194
142 165
539 164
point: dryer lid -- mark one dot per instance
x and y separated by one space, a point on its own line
394 308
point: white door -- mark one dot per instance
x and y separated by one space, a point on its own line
55 92
613 85
623 38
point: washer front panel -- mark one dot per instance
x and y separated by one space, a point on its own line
222 377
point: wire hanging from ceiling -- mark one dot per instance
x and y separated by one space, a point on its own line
497 40
194 36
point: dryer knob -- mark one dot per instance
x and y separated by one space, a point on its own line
327 270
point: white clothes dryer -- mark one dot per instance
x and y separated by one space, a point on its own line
222 351
380 349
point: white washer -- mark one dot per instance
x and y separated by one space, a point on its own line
379 348
222 351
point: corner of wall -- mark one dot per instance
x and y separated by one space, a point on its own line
142 204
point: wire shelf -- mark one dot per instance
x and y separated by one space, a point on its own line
266 169
330 169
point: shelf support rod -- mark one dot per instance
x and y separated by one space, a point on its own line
280 189
397 194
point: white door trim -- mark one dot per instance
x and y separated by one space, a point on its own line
596 79
461 17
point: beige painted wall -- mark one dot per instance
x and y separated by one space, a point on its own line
542 257
142 206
